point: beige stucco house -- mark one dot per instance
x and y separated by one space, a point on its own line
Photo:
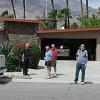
34 30
19 29
71 39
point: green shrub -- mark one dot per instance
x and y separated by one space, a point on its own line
35 56
13 63
13 56
34 52
6 48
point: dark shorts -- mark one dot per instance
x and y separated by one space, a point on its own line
47 63
53 63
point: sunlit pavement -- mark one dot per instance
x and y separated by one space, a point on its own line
65 73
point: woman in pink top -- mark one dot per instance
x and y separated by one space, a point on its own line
55 52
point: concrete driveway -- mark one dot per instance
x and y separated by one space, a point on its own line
65 73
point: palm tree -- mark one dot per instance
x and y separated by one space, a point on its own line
53 7
63 15
81 2
55 14
13 7
67 22
5 14
99 12
24 7
87 8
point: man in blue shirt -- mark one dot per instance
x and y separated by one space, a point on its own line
47 58
82 58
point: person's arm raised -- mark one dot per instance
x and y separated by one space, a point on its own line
61 47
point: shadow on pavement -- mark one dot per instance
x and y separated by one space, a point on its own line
5 79
60 74
80 83
88 82
40 67
32 74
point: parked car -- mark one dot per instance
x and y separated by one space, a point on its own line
2 65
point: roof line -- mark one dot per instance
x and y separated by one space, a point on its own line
21 20
69 30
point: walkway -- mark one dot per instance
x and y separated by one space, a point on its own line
65 73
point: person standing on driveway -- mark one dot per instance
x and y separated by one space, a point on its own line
55 52
26 59
47 58
82 58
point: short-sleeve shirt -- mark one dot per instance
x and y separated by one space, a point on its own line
54 54
48 55
82 56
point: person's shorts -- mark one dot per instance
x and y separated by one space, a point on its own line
53 63
47 63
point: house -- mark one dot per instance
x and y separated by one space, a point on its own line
20 29
71 39
33 30
3 36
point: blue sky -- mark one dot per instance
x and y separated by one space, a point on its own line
94 3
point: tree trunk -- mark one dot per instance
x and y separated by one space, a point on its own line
13 7
87 9
54 20
99 11
67 24
24 7
53 7
81 2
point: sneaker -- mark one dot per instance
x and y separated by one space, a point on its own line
76 82
50 75
82 83
47 77
26 77
55 75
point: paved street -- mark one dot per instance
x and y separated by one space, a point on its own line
42 91
60 88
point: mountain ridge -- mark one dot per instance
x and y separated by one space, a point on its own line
37 7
